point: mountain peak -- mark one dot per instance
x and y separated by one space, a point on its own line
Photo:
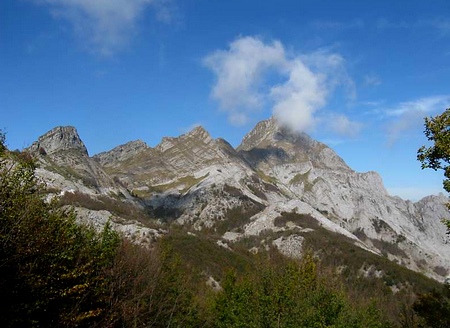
121 153
57 139
269 139
263 131
269 132
199 132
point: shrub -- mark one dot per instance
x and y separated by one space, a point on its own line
53 271
303 220
286 293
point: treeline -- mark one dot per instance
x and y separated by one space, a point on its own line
56 273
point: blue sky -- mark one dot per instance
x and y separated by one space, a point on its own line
357 75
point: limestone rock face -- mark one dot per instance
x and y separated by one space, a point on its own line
182 177
311 172
61 138
65 165
121 153
269 143
203 182
171 160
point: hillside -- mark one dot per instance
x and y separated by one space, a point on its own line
236 195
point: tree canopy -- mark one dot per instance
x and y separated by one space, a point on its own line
437 156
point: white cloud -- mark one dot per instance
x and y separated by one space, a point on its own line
103 26
384 23
422 105
343 126
239 72
338 25
246 71
299 97
372 80
440 24
409 115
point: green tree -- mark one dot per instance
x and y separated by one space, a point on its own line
286 294
53 272
434 307
437 156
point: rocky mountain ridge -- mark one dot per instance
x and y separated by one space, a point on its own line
206 184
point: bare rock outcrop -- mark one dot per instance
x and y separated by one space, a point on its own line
197 180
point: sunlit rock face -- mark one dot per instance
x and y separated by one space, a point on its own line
203 182
311 172
61 138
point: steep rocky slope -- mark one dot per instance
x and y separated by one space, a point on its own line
67 171
319 183
206 184
192 178
62 152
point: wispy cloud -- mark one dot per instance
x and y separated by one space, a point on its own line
104 26
422 105
343 126
340 25
442 25
372 80
166 11
409 115
245 75
384 23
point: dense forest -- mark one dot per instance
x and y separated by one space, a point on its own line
55 272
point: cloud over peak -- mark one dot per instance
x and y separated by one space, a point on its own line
251 75
240 73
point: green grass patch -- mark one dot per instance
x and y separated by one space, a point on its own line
186 182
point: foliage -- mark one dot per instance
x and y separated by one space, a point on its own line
437 156
114 205
56 273
150 289
288 294
236 217
303 220
434 308
53 271
203 253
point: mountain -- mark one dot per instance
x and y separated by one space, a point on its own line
62 151
317 180
245 193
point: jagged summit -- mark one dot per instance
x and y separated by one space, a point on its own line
61 138
196 136
196 179
199 132
271 143
62 155
270 133
260 135
121 153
